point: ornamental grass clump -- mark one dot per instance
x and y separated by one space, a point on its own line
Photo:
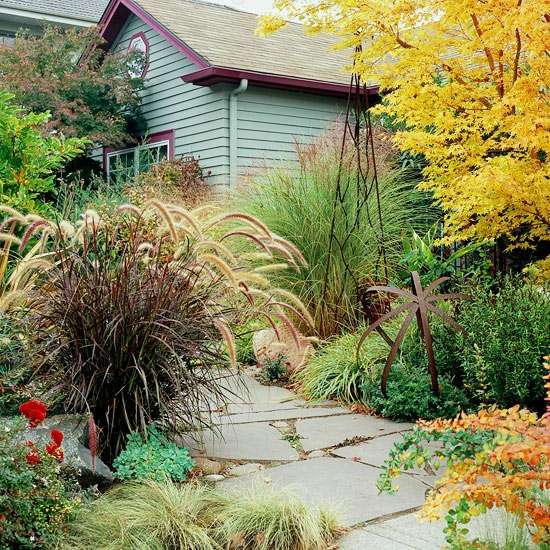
337 372
265 519
132 321
145 516
156 516
339 236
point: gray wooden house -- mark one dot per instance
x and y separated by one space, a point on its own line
217 92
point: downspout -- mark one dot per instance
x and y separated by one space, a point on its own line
233 131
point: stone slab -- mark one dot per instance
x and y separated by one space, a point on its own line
245 469
374 452
331 431
251 442
402 533
248 408
278 414
349 487
407 532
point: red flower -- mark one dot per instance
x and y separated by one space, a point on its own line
32 458
55 450
34 410
57 437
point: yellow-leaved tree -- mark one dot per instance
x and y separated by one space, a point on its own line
468 84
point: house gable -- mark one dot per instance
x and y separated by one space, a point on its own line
197 116
230 136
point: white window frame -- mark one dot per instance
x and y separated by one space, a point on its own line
136 151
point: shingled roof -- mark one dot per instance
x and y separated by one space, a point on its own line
225 37
85 10
220 40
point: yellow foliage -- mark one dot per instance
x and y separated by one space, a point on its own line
468 83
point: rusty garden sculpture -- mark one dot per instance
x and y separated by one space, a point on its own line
419 301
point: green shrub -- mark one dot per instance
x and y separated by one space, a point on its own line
36 499
263 519
299 205
274 368
153 458
29 156
14 367
334 371
508 337
410 396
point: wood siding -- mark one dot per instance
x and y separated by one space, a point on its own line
198 115
271 122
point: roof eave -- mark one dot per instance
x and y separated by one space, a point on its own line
40 17
215 75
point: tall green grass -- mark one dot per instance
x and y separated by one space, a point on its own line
299 205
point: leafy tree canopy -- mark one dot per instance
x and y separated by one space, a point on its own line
466 82
89 94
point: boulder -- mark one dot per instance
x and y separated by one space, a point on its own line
267 345
77 456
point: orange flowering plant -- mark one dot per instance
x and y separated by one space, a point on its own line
495 459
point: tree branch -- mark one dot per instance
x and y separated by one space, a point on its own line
516 59
487 51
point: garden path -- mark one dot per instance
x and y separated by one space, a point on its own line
327 455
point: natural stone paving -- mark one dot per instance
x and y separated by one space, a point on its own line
407 532
350 487
325 467
373 452
401 533
251 442
279 414
336 430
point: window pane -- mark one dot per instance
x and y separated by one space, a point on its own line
163 152
7 38
152 154
121 166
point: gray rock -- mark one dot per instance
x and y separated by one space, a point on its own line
252 442
215 478
245 469
77 456
349 487
321 433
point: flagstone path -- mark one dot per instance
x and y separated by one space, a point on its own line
327 455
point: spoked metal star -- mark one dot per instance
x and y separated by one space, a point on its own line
419 301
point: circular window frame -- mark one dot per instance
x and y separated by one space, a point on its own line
140 36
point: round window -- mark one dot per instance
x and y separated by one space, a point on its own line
138 54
